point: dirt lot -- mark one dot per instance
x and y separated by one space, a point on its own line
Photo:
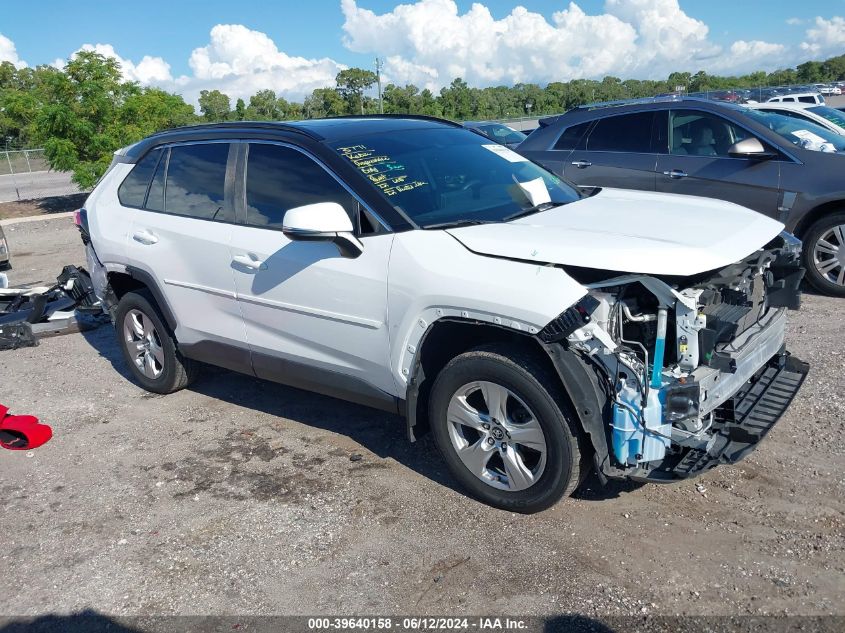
240 496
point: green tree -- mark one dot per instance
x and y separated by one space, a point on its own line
324 102
214 105
351 84
240 110
263 106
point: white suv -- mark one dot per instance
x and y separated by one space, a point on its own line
538 330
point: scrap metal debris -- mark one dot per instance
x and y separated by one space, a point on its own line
26 313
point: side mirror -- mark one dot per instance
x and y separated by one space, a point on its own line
749 148
322 222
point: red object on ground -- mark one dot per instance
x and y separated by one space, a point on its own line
22 432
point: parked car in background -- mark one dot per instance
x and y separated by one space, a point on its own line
5 257
414 266
798 97
821 115
716 150
498 132
829 89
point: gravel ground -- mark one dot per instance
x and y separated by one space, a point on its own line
240 496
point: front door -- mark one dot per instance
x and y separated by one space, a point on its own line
698 163
314 318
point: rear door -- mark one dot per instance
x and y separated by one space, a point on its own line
181 239
698 163
617 153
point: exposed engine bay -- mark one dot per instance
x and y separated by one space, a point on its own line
695 369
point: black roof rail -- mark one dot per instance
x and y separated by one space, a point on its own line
420 117
242 125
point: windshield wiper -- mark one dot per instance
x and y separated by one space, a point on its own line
456 224
543 206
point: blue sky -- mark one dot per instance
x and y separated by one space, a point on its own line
173 28
627 38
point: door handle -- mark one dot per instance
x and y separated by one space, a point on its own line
675 173
145 237
581 164
249 262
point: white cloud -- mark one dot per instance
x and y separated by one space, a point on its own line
826 38
794 21
8 52
237 61
149 71
240 62
430 42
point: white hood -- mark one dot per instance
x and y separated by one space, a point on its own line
629 231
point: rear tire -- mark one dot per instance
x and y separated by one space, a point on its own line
824 254
149 347
530 454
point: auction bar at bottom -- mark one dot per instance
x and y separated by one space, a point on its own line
94 622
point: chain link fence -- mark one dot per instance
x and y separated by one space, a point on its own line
25 175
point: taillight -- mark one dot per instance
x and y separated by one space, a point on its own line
80 219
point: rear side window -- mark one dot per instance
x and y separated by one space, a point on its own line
572 135
624 133
279 178
196 180
133 190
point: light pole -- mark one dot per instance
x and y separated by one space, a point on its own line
378 81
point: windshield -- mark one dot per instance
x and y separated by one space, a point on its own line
451 175
502 133
802 133
837 117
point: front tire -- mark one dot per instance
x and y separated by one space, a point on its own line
499 419
149 347
824 254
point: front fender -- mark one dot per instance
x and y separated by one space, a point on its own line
433 277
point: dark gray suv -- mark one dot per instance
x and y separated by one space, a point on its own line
697 147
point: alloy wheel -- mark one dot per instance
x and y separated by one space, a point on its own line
496 436
829 255
143 343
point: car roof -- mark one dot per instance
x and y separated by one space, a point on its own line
783 105
329 130
806 93
596 110
476 123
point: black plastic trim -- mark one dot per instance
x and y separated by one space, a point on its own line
323 381
149 281
590 402
220 354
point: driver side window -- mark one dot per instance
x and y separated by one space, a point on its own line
280 178
695 133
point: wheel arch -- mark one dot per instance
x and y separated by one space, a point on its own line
137 279
816 213
447 337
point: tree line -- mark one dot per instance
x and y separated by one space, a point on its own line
82 113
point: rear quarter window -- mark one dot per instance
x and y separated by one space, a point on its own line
572 135
133 190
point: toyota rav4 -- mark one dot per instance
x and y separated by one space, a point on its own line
539 331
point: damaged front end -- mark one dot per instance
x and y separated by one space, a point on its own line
692 371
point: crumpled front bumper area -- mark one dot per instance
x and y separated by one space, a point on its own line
740 422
